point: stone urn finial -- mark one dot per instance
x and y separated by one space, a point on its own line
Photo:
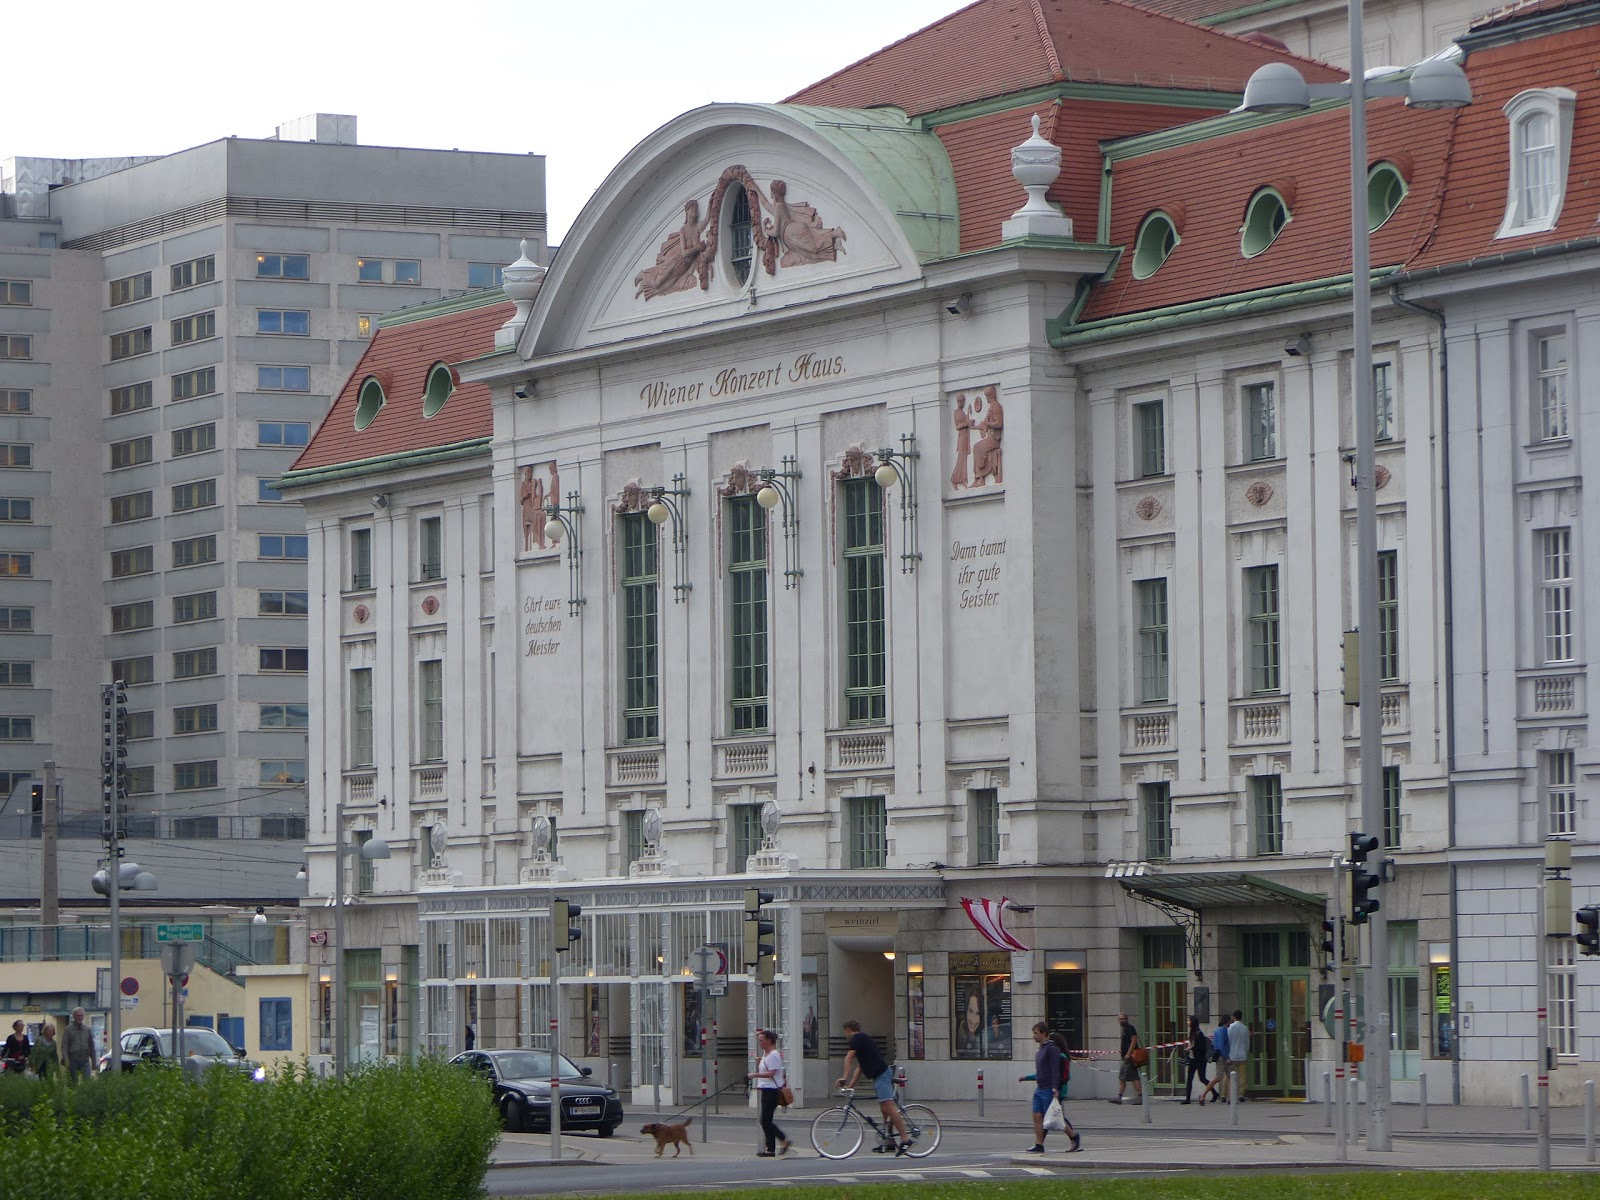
1036 164
521 282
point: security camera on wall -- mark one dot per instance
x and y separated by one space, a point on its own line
523 390
959 306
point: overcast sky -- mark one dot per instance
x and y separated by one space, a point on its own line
579 81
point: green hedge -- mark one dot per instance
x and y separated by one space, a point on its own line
422 1131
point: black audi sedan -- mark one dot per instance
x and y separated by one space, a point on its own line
521 1082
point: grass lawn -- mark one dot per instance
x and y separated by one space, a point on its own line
1351 1185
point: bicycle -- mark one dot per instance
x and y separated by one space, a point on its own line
839 1131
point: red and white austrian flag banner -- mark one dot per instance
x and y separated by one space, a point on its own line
987 917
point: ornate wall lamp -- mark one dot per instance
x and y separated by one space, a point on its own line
666 503
561 522
895 466
776 489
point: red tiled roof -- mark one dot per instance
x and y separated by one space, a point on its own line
401 356
996 47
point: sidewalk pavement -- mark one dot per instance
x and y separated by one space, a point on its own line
1269 1135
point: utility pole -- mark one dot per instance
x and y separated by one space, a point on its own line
50 884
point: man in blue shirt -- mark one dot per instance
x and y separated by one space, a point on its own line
864 1059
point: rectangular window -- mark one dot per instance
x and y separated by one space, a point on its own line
282 604
1155 801
16 674
430 548
1555 593
202 493
195 718
141 726
284 546
365 324
1388 615
191 552
16 454
16 510
389 270
194 328
132 398
16 729
192 664
1150 432
137 560
866 672
360 559
430 686
1151 598
1563 976
366 868
139 615
283 433
277 1024
266 492
282 770
283 716
283 658
361 718
866 833
747 613
1561 792
283 266
744 835
1261 417
189 384
19 346
16 565
1552 382
484 275
1261 607
20 291
192 829
16 619
633 835
132 453
16 401
284 828
131 343
134 670
141 780
283 322
1391 808
1266 810
283 379
135 506
189 776
985 804
641 633
1382 402
194 272
197 606
134 287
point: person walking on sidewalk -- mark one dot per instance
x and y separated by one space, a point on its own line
770 1080
864 1059
78 1043
1128 1072
1199 1054
1239 1051
1049 1078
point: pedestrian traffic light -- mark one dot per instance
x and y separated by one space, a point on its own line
562 930
1363 883
1588 929
1330 950
760 950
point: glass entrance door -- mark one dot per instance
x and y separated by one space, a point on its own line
1277 1008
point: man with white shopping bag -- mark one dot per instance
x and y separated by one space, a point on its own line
1049 1074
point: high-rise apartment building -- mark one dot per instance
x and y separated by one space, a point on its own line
171 331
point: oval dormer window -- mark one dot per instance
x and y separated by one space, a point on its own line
741 240
1157 239
1386 187
441 384
368 401
1263 221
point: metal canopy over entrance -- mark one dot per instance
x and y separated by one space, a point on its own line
1184 899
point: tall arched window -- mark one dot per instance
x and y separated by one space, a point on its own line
741 243
1541 139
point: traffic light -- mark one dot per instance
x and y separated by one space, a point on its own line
1588 929
562 929
760 951
1330 950
1362 881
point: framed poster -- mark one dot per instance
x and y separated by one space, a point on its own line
810 1029
980 1006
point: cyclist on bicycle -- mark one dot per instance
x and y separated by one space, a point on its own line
863 1059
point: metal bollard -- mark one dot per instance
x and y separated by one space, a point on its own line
1588 1120
1527 1107
1144 1096
1360 1114
980 1093
1422 1093
1233 1095
1327 1101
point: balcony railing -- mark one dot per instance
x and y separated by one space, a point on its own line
228 944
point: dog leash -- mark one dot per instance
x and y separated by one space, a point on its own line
700 1102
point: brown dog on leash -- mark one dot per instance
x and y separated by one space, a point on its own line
670 1135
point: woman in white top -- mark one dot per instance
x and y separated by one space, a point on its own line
769 1078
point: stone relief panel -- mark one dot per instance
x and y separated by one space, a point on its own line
977 449
538 484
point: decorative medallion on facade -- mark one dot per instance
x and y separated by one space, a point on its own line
782 234
982 462
533 493
741 481
1148 508
632 499
1381 477
430 605
361 612
1258 493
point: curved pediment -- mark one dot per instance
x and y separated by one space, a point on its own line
735 208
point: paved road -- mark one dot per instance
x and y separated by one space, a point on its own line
1116 1140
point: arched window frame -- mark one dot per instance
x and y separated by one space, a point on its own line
1156 240
1530 207
1381 179
1250 233
369 401
440 387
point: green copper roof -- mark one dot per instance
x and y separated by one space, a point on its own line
907 167
379 464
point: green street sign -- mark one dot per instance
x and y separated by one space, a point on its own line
180 933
